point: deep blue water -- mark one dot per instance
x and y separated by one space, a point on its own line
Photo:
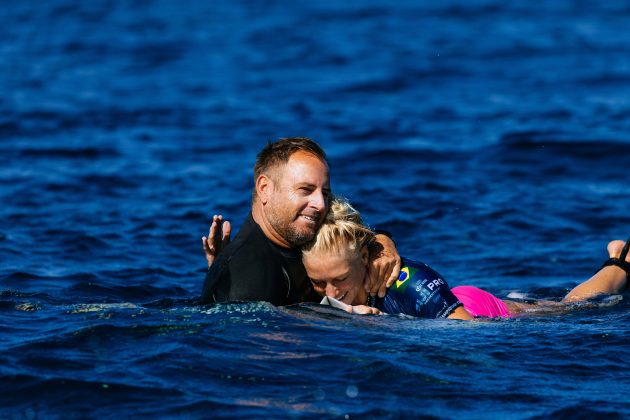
491 138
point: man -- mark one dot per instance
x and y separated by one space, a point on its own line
290 201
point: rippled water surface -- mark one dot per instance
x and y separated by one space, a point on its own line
491 138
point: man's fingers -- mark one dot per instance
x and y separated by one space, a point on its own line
382 290
378 280
390 275
370 280
395 273
218 236
207 247
227 232
208 251
213 227
219 233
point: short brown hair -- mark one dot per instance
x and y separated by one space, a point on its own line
279 152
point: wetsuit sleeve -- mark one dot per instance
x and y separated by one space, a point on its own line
243 277
208 285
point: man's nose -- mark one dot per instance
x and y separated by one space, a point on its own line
318 201
331 290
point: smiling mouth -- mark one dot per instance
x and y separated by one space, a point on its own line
342 297
310 219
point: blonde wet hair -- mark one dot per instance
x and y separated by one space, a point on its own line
343 230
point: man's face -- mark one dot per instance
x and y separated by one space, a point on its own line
299 198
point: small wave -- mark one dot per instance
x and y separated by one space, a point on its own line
70 153
98 307
384 153
73 394
607 79
152 55
110 180
135 273
561 143
404 80
26 301
579 412
244 308
43 122
135 292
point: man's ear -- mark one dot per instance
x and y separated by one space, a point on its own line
263 188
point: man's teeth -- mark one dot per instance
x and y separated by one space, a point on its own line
342 296
312 219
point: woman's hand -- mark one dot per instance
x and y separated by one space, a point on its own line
383 267
364 310
218 238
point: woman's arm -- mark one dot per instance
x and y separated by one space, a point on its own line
461 313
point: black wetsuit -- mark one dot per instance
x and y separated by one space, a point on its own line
252 268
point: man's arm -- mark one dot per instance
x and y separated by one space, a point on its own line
383 267
245 275
207 293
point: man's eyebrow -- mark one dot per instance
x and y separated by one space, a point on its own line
326 189
311 185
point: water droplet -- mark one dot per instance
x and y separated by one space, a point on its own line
320 395
352 391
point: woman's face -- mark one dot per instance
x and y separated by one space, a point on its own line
339 274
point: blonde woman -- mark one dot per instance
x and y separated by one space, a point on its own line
336 263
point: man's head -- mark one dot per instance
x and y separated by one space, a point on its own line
277 153
292 190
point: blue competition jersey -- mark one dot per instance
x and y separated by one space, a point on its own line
419 291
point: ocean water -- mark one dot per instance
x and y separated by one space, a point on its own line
490 137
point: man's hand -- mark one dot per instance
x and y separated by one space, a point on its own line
218 238
384 266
